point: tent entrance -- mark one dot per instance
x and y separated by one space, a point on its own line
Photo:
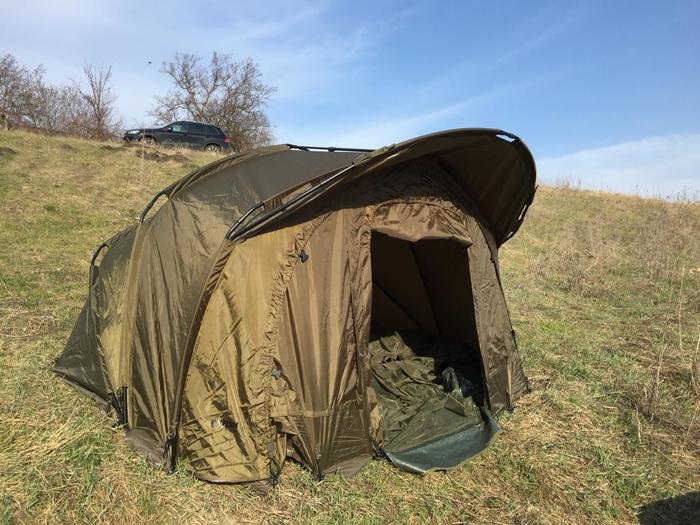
426 368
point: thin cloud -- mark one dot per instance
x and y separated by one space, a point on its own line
543 31
666 166
302 67
383 128
299 49
386 131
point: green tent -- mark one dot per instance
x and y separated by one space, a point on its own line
318 304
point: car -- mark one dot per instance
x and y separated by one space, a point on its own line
182 133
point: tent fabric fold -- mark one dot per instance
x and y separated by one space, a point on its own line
430 419
233 353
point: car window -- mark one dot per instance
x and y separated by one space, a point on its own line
179 126
200 129
216 131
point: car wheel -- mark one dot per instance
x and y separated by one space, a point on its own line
148 140
212 147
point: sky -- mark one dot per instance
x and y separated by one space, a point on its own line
605 94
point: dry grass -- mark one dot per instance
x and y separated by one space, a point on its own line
604 291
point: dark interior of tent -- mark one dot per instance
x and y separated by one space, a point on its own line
426 367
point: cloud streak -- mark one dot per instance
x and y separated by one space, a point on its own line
666 166
302 50
386 129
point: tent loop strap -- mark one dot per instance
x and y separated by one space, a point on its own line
118 402
275 470
379 452
150 204
169 451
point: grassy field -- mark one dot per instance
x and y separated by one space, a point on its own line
604 291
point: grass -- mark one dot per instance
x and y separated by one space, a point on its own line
604 291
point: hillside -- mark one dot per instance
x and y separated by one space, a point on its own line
603 289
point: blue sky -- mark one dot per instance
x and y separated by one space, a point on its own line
605 93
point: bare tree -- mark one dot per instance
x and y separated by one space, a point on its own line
19 102
27 101
99 98
228 93
65 110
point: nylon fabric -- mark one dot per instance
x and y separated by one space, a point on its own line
249 351
418 406
317 351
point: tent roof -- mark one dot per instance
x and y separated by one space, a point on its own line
494 167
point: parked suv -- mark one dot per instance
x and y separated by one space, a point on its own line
182 133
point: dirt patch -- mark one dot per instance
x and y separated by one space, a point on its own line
107 147
151 155
179 157
161 157
6 151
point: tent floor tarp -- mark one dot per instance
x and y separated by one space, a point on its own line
428 393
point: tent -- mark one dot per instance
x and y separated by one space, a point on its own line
321 304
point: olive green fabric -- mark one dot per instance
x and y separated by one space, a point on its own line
92 358
300 324
80 363
233 355
493 169
407 368
425 383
